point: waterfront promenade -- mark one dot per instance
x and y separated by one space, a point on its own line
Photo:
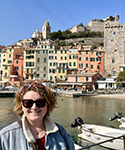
96 93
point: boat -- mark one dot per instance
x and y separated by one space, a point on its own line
100 135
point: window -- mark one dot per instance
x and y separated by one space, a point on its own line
17 62
113 60
98 59
38 68
45 46
9 55
38 60
61 58
50 57
27 70
44 68
63 70
65 58
86 79
6 67
80 52
70 57
91 66
87 65
55 57
51 47
61 77
27 76
74 63
59 71
86 52
55 51
65 51
31 76
92 59
50 64
92 52
16 68
5 74
44 59
98 67
9 61
61 52
80 65
50 70
10 50
98 53
38 52
44 75
79 58
41 46
86 58
70 64
3 60
31 70
29 64
51 78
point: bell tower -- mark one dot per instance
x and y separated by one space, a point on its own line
46 30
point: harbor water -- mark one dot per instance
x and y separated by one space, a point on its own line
92 110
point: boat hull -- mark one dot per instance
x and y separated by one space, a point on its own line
97 134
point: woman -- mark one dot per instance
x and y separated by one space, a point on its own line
34 103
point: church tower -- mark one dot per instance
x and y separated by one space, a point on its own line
46 30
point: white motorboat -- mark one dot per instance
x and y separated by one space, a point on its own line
105 136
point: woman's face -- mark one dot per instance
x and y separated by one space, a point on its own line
34 113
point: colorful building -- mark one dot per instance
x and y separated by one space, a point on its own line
90 60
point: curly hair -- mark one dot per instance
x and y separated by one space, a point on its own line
41 90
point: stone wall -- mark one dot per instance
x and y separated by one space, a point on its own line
95 26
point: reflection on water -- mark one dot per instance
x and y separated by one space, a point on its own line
91 109
7 115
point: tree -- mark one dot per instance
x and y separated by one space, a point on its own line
121 76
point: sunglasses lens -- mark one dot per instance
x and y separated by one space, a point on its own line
41 103
28 103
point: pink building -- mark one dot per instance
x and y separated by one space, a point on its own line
83 79
17 74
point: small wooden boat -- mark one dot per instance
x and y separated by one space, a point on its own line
105 136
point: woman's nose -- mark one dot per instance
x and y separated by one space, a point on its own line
34 106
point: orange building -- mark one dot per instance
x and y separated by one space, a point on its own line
90 60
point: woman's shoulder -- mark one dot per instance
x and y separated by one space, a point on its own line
13 126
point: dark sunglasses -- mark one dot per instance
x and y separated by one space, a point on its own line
28 103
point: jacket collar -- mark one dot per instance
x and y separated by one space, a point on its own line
51 127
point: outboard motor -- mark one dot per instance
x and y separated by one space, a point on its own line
118 115
78 122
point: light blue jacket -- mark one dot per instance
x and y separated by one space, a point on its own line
13 137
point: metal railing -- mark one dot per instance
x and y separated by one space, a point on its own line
114 138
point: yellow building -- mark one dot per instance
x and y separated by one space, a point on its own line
61 63
7 63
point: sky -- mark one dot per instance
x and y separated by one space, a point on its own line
19 19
